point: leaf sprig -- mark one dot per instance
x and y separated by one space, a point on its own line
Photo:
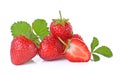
103 50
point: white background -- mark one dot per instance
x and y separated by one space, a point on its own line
89 18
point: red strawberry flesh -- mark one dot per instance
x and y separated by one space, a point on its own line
77 51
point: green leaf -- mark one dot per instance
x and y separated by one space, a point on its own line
95 57
94 43
105 51
23 28
20 28
40 28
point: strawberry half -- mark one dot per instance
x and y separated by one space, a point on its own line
51 48
77 51
61 28
22 50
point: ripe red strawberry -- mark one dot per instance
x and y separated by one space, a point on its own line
51 48
61 28
77 36
74 36
77 51
22 50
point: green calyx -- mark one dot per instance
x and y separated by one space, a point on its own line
61 20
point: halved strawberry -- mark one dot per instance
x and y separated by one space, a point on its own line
77 51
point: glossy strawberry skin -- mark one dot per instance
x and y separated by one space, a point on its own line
22 50
63 31
77 51
51 49
77 36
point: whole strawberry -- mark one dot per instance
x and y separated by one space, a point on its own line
77 36
22 50
61 28
51 48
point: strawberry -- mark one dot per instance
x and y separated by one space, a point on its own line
22 50
74 36
51 48
61 28
77 51
77 36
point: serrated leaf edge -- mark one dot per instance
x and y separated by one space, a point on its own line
17 23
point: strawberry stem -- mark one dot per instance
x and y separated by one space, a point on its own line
60 15
62 41
61 19
67 46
